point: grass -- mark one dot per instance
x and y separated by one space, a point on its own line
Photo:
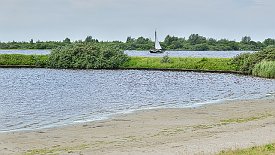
244 120
217 64
214 64
23 60
264 69
257 150
56 150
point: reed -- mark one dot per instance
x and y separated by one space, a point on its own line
264 69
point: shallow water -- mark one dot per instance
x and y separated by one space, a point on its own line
40 98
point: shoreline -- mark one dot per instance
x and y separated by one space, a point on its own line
146 69
122 113
130 112
209 129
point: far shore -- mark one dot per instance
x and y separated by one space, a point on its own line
208 129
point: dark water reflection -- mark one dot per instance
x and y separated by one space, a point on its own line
39 98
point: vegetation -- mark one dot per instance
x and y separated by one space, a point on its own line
23 60
194 42
75 57
166 59
264 69
219 64
256 63
267 150
87 56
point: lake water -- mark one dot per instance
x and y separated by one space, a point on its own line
27 52
199 54
42 98
206 54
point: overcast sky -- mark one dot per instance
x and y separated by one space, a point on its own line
21 20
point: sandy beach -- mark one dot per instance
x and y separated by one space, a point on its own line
208 129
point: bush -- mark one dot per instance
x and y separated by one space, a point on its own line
265 69
246 62
87 56
166 59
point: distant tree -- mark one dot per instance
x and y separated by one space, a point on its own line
142 40
196 39
31 41
130 40
269 41
67 40
212 41
90 39
246 40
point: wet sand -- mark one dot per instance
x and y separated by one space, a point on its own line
208 129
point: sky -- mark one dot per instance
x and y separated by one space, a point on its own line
108 20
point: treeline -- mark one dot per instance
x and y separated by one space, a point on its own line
43 45
194 42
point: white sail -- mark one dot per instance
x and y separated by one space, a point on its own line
157 45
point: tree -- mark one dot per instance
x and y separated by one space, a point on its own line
130 40
269 41
246 40
31 41
90 39
196 39
67 40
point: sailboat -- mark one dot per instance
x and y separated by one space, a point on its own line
157 48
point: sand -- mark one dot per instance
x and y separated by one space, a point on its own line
208 129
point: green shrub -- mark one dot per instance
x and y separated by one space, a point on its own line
265 69
246 62
87 56
166 59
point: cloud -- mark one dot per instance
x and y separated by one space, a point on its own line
117 19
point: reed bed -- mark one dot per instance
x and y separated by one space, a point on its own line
264 69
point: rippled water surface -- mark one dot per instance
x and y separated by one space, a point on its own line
39 98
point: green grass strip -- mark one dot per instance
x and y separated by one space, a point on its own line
23 60
257 150
215 64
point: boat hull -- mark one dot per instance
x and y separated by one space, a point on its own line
156 51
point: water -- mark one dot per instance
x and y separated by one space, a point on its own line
199 54
206 54
41 98
27 52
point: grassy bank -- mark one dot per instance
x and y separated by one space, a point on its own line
215 64
23 60
267 149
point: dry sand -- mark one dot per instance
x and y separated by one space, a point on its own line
203 130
